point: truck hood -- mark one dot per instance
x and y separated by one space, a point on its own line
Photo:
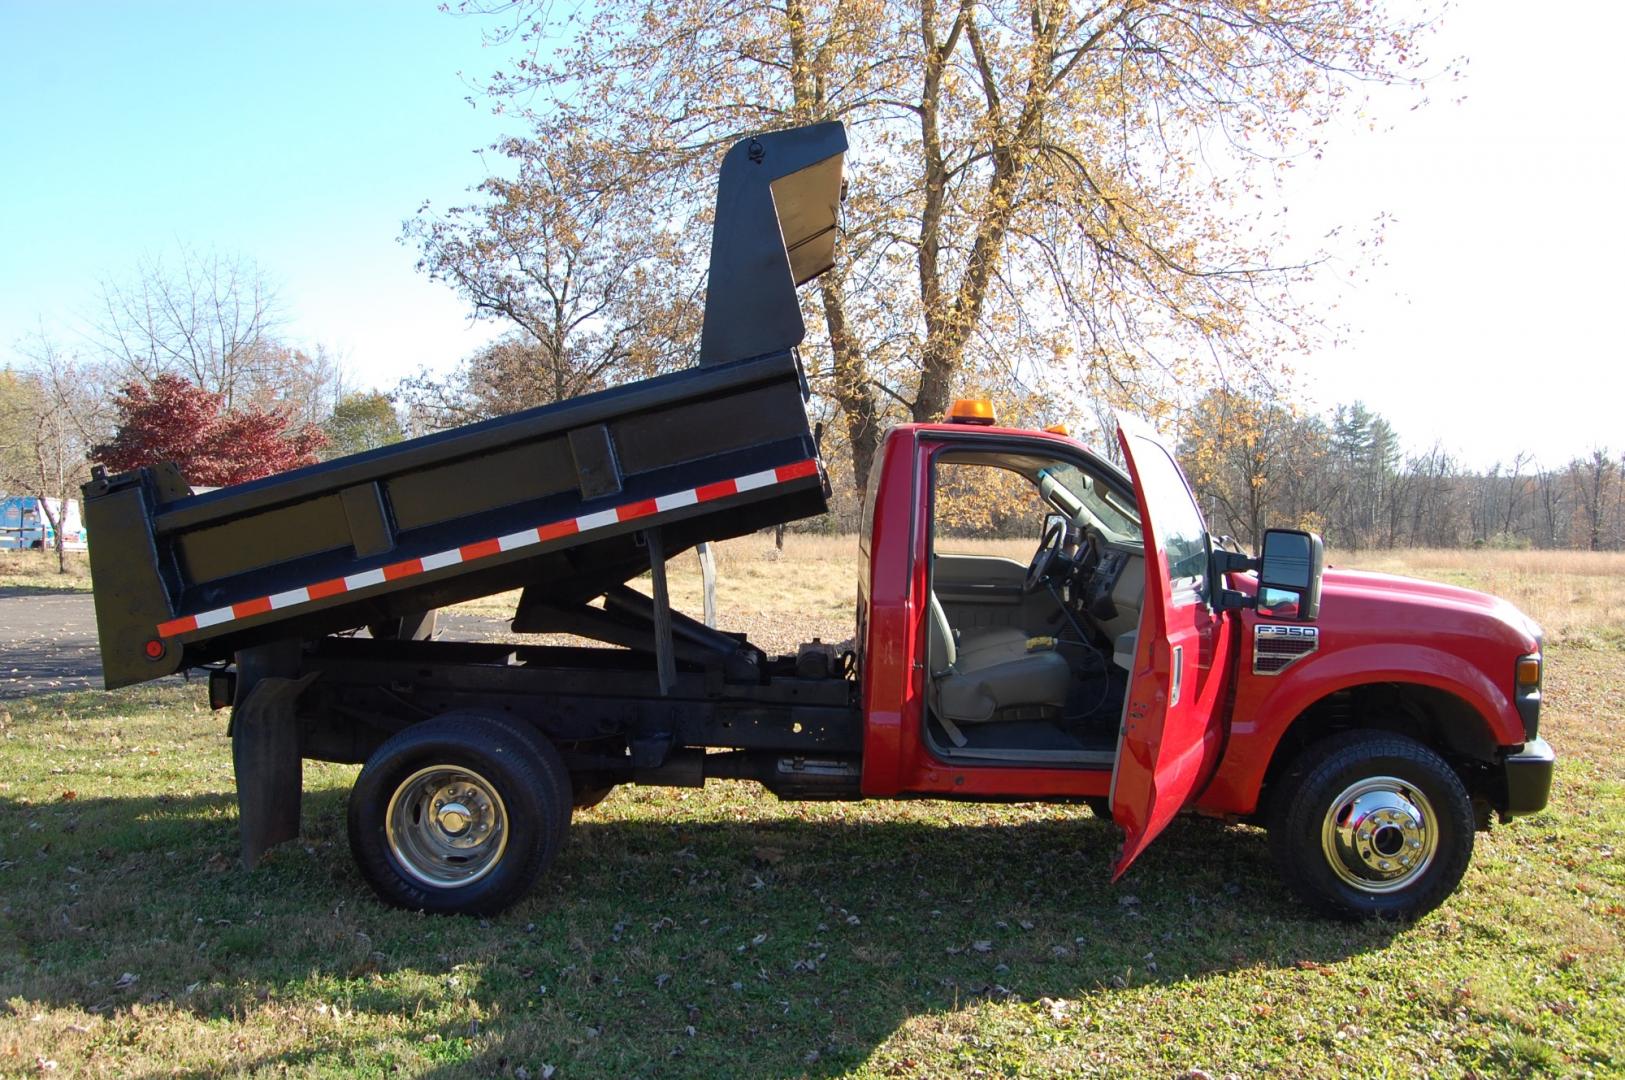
1417 605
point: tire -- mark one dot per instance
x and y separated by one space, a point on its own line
539 744
1369 824
503 795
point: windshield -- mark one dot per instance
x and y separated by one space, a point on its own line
1110 513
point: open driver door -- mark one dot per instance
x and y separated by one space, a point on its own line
1172 728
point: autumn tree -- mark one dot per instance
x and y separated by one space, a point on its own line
361 421
1241 450
577 262
1038 185
50 413
171 419
512 373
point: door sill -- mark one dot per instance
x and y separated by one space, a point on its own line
1024 742
1097 759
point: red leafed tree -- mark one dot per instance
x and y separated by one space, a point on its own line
172 419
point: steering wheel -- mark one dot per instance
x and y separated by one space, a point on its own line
1049 547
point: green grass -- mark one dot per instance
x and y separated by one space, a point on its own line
722 933
719 933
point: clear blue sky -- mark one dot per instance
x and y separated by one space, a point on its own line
299 134
303 134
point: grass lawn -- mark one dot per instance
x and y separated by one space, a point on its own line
722 933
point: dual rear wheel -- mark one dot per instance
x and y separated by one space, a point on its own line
460 814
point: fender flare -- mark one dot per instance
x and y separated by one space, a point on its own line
1255 740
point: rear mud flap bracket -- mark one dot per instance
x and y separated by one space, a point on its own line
265 756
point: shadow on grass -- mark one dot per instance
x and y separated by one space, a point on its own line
662 944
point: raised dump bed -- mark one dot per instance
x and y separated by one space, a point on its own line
566 501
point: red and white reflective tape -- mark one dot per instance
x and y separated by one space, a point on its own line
483 549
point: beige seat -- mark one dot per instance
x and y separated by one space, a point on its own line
991 677
988 645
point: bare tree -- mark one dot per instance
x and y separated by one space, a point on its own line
215 320
51 413
1593 480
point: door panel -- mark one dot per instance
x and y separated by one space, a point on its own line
1172 720
982 591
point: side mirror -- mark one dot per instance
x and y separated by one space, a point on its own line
1289 575
1053 521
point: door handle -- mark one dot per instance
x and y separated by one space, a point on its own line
1178 675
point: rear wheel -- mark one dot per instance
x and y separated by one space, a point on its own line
1368 824
458 815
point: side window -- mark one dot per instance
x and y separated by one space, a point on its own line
984 510
1175 520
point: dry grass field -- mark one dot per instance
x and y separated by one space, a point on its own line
37 570
720 933
1578 597
778 598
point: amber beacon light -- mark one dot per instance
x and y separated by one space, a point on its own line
971 411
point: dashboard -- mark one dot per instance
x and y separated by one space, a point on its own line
1108 586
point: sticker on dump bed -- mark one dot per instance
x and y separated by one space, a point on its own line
481 549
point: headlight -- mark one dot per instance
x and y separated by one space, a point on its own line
1526 692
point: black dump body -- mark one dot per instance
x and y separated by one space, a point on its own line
564 501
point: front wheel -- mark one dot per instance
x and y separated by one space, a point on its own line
458 815
1369 824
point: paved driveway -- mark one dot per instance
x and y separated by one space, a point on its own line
47 643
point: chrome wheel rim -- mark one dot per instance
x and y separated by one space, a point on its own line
446 826
1380 834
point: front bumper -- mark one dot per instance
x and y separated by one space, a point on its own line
1527 772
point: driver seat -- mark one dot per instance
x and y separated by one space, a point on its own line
993 677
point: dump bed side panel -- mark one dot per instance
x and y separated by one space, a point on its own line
552 498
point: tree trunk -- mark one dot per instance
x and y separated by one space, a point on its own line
936 383
55 524
853 391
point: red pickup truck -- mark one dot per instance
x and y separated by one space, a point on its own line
1136 663
1370 722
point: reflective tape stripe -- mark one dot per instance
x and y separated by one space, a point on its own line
483 549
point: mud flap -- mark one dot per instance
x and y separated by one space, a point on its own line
265 756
